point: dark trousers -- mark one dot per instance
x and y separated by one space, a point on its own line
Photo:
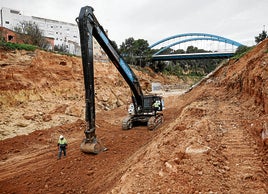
155 110
62 149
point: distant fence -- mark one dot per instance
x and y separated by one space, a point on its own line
158 87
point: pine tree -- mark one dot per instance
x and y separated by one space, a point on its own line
261 36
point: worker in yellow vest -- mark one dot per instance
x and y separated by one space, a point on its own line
156 106
62 144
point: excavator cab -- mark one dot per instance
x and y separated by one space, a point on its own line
146 114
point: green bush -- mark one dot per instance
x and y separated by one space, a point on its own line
241 51
14 46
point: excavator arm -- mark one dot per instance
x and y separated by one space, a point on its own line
89 27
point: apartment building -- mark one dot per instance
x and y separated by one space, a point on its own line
63 33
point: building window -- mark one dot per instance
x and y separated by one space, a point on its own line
14 11
10 37
7 22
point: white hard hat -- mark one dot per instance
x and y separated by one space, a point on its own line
61 136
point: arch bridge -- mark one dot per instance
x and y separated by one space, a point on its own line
215 46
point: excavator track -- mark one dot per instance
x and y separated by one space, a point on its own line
127 123
155 121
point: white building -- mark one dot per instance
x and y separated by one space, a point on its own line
64 34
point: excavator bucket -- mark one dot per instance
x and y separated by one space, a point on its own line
92 147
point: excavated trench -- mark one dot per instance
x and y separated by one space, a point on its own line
210 142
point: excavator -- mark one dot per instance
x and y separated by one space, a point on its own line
143 109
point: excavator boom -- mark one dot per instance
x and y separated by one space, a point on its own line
89 27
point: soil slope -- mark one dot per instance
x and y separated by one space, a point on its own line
210 141
40 90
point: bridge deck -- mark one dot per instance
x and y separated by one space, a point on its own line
189 56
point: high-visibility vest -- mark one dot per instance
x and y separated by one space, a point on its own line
62 141
156 104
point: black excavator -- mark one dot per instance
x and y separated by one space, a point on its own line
143 109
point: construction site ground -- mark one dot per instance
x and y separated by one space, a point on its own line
213 139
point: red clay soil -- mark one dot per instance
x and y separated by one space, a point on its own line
210 141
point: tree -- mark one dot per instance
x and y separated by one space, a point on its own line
30 33
261 36
113 43
126 49
191 49
179 51
141 50
241 49
140 46
134 51
126 46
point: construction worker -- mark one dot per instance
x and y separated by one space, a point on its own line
156 106
62 144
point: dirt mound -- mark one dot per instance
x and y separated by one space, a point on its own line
211 140
214 143
41 90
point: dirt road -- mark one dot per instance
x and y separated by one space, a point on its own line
31 160
207 145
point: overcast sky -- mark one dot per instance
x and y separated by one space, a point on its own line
153 20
